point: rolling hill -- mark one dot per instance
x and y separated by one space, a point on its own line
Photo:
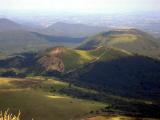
8 25
132 40
65 59
57 59
19 41
16 38
72 30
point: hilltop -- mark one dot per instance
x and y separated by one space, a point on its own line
9 25
65 59
131 40
58 59
20 41
72 30
16 38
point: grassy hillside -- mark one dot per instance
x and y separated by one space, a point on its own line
9 25
34 99
130 84
65 59
132 40
56 61
72 30
2 55
43 98
110 75
16 38
117 117
19 41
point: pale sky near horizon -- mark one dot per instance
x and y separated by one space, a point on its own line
81 5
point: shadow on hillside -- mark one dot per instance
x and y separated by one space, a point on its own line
129 84
131 76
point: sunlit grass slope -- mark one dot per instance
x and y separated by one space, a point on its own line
119 117
88 56
33 98
132 40
72 58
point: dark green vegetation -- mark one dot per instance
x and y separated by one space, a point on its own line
132 78
120 68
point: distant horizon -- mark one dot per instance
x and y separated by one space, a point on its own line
109 13
34 7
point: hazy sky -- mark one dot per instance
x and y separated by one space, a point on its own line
88 6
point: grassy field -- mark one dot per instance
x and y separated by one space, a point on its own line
40 98
117 118
32 97
115 39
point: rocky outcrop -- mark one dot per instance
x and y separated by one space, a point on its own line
53 61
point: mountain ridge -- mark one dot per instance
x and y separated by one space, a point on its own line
131 40
9 25
72 29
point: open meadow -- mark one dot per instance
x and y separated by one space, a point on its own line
32 98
